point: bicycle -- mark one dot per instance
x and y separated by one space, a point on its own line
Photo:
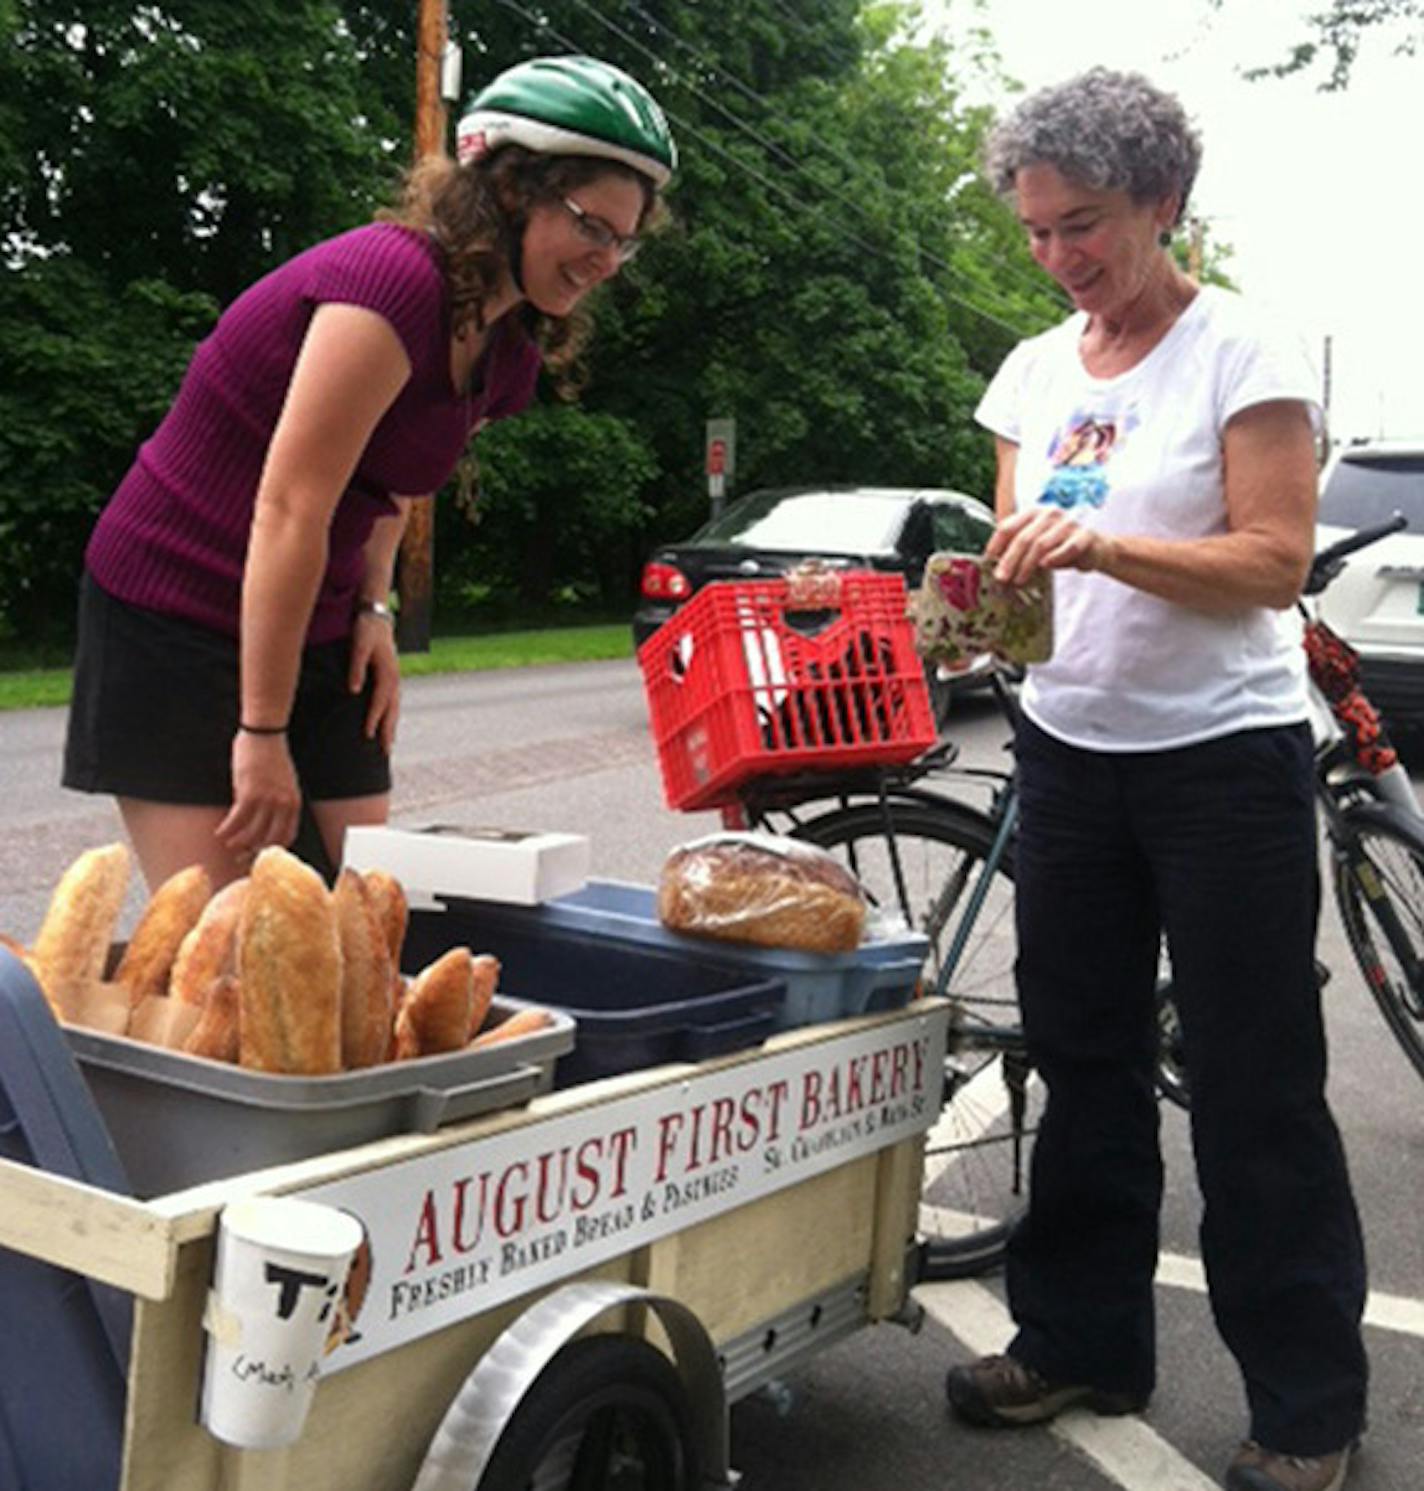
1374 828
946 868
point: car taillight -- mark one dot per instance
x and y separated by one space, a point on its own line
665 582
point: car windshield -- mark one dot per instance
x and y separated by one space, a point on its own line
1365 490
830 522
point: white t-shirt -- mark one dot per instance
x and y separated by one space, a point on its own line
1140 453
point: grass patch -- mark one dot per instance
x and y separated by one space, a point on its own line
38 688
565 644
35 688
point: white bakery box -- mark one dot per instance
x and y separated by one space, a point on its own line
477 864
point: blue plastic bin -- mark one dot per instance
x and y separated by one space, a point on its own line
879 975
633 1006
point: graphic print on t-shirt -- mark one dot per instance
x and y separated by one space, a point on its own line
1079 453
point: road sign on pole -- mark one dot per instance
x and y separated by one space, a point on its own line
720 461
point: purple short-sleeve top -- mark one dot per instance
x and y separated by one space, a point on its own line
173 538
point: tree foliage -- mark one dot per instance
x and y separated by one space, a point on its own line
1335 34
836 276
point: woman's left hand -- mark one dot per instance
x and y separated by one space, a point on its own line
1046 538
373 650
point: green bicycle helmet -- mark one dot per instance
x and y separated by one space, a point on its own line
570 106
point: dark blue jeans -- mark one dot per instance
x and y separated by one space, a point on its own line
1214 844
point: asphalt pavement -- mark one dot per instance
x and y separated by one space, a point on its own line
568 748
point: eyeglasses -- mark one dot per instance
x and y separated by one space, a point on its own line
595 231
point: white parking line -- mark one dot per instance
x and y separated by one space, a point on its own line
979 1105
1387 1312
1125 1449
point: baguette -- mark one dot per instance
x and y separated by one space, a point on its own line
435 1014
365 974
289 969
400 987
73 943
173 912
210 948
216 1033
104 1007
161 1021
521 1022
486 971
391 907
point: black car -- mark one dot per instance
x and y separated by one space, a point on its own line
767 532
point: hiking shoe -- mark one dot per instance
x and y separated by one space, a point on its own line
998 1392
1258 1469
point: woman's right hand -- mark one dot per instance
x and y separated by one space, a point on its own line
1041 538
266 800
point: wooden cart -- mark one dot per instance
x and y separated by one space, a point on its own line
739 1214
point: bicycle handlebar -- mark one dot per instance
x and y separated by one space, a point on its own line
1328 563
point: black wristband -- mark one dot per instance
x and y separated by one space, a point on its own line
262 729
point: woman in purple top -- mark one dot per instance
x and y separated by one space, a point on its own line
236 654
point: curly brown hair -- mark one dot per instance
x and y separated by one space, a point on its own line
476 212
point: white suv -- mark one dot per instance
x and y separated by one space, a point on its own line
1377 603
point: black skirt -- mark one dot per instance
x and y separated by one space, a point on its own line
155 709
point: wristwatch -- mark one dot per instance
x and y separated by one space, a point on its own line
375 608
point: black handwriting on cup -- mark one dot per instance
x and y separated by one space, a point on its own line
290 1283
245 1369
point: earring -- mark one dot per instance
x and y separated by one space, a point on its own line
1164 238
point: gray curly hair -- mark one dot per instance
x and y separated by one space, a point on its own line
1113 131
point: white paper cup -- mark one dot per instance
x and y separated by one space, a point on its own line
281 1265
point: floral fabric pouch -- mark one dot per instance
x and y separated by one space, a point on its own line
961 612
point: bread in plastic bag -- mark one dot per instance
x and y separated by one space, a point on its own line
962 612
762 889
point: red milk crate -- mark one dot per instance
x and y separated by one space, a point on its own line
739 685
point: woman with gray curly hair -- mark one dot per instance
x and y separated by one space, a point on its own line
1165 766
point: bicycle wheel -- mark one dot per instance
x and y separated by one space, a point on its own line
1379 887
976 1156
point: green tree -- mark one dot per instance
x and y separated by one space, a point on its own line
837 276
84 373
832 278
154 160
198 142
1334 35
553 495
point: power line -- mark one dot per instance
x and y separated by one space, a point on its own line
769 145
860 243
853 167
800 25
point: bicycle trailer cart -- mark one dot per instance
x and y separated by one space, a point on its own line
625 1256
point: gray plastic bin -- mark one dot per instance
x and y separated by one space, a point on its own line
879 975
179 1120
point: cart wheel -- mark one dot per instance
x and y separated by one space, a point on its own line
607 1414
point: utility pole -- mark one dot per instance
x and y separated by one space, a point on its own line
417 551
